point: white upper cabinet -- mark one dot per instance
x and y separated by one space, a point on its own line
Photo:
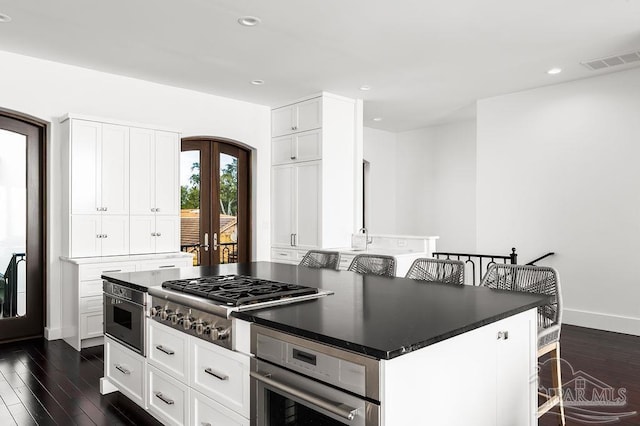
295 118
142 171
315 164
85 166
115 169
305 146
99 168
118 180
155 185
167 179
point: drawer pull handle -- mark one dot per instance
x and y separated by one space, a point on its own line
164 399
122 369
205 424
112 270
216 375
167 266
165 350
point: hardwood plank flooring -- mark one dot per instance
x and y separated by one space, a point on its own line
600 359
49 383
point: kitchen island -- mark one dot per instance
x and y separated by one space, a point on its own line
446 354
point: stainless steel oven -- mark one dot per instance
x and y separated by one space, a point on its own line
296 381
124 315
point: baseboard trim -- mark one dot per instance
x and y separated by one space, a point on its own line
52 333
106 386
600 321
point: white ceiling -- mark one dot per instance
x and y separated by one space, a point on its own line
426 61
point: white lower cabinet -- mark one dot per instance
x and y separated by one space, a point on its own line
125 369
169 350
207 412
167 398
221 374
212 381
82 303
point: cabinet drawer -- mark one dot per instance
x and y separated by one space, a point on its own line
284 255
91 304
168 350
205 411
125 369
90 288
221 374
164 264
94 272
167 398
91 325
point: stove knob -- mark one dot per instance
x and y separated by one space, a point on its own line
156 310
187 322
165 314
201 326
176 318
223 333
218 333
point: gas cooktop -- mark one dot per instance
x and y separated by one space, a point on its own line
238 290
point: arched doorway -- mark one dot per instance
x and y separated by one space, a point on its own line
22 226
215 200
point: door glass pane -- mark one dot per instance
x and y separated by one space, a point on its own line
228 240
190 203
13 224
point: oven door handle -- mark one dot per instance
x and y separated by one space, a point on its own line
341 410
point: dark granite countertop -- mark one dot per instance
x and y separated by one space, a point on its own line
376 316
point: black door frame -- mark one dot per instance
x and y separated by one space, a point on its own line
211 147
32 325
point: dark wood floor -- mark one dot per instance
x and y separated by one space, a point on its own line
49 383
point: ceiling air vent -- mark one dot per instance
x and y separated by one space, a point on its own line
612 61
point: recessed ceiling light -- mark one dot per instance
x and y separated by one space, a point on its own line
553 71
377 119
5 18
365 87
257 82
249 21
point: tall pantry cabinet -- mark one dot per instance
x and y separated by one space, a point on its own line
121 213
315 159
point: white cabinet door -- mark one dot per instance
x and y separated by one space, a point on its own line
85 166
282 121
115 231
114 178
308 115
167 180
167 234
282 184
142 171
308 146
85 232
517 388
142 234
282 150
205 411
307 205
167 398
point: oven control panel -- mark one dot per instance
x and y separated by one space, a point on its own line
204 325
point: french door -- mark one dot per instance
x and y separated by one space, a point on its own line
22 255
214 198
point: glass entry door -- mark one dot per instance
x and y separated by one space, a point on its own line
21 229
214 194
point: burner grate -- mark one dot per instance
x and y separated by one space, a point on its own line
237 290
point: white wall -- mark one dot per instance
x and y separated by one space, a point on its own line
436 184
380 152
48 90
558 171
